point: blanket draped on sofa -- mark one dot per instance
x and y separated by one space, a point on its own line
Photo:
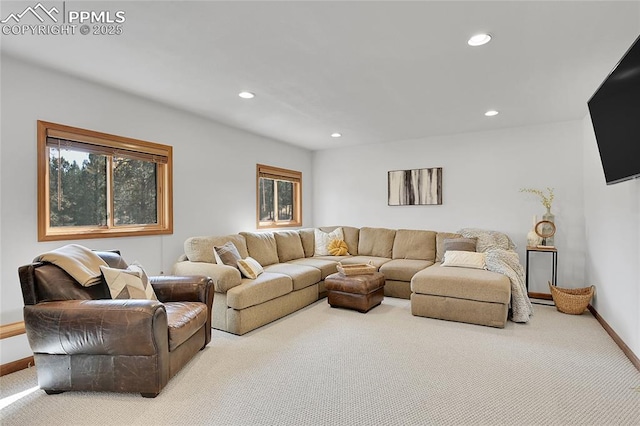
501 258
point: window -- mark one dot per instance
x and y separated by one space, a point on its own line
96 185
279 197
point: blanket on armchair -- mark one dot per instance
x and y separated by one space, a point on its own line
501 258
76 260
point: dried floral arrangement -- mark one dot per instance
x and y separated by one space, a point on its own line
546 199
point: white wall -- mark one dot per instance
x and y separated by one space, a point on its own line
482 175
214 169
612 222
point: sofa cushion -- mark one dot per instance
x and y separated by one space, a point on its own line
262 247
184 320
227 254
200 249
308 241
289 245
302 276
250 268
351 236
462 283
373 260
376 242
414 244
403 269
267 286
325 266
440 237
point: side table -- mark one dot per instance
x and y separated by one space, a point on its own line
554 266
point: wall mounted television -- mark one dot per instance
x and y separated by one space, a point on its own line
615 114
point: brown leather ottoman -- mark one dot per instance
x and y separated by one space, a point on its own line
358 292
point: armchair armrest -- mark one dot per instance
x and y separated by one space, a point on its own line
171 288
97 327
224 277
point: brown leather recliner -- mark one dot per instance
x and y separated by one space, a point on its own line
84 340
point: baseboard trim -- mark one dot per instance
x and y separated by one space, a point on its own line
621 344
12 367
10 330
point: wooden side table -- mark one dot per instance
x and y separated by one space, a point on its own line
554 266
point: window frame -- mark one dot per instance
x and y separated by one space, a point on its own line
277 173
103 141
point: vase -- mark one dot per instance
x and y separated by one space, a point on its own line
551 218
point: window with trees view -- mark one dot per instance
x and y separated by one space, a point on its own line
279 197
93 185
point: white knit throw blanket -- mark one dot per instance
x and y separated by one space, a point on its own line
501 258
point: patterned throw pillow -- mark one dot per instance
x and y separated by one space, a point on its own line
227 254
324 238
250 267
130 283
338 248
464 259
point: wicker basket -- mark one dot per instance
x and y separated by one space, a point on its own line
356 269
571 300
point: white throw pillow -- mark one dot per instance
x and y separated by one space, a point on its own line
324 238
464 259
130 283
250 268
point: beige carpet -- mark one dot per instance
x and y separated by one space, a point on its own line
323 366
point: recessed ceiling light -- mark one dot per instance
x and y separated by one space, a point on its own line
491 113
479 40
246 95
336 135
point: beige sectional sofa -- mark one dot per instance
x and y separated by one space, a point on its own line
294 275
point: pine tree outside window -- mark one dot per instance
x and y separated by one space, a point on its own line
95 185
279 197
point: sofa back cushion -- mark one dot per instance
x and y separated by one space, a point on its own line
351 236
308 241
440 243
200 249
414 244
262 247
289 245
376 242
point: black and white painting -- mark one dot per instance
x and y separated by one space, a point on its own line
415 187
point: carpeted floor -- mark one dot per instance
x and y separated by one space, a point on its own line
323 366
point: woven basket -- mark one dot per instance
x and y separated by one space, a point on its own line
571 300
356 269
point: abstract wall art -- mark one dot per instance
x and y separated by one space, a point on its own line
415 187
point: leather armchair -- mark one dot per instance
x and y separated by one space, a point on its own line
84 340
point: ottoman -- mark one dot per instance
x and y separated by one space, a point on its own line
358 292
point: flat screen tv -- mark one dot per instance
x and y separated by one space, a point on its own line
615 114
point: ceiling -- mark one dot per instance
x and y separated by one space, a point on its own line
373 71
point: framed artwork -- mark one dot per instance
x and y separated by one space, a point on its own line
415 187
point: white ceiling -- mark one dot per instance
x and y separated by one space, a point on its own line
374 71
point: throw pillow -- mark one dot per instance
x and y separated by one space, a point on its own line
324 238
338 248
227 254
250 268
459 244
464 259
130 283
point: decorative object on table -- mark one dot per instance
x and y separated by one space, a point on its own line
533 239
545 230
356 269
571 300
414 187
547 200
